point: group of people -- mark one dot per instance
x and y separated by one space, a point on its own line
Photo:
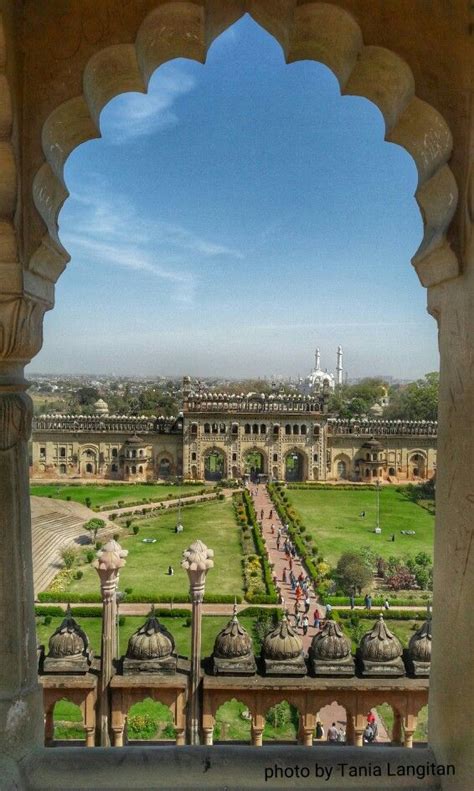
336 734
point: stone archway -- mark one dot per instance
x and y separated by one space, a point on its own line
296 465
214 464
56 53
255 461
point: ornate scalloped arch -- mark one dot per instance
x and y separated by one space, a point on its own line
316 31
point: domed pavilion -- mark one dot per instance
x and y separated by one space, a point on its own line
233 650
419 651
68 648
330 652
380 652
151 649
282 651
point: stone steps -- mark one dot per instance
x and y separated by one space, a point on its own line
51 532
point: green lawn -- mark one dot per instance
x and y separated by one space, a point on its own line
147 564
332 518
110 494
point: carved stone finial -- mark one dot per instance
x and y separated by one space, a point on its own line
380 652
282 651
330 652
150 649
68 648
110 559
197 560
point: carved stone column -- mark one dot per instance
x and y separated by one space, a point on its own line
208 736
110 559
397 728
21 698
197 560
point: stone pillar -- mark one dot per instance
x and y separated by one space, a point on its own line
257 736
21 697
208 736
197 560
181 737
397 728
350 732
49 727
109 561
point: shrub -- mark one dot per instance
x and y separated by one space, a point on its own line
47 620
116 536
136 530
94 525
79 574
141 726
128 591
122 620
68 556
113 517
90 555
68 497
98 545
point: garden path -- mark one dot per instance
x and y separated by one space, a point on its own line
263 507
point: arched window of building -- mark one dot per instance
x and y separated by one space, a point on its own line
234 457
374 473
207 428
134 470
134 454
215 428
247 428
341 469
62 469
235 428
255 428
140 452
263 429
391 471
140 469
276 430
89 468
222 428
114 468
193 456
374 457
62 453
275 457
194 429
367 473
315 458
303 429
296 429
316 431
367 456
287 429
114 453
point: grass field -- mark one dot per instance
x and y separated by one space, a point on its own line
147 564
332 518
110 494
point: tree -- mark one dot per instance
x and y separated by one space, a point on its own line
93 526
402 579
415 401
352 572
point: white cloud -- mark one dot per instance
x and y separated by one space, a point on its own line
134 115
111 232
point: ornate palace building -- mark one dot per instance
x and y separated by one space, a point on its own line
218 435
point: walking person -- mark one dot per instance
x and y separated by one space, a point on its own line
333 734
369 602
278 543
270 515
290 563
316 618
284 577
352 601
298 620
307 603
328 612
305 625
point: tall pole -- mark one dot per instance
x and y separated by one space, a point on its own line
197 560
378 503
110 559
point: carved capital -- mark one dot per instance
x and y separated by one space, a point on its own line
21 328
15 419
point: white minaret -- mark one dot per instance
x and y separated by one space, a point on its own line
317 359
339 366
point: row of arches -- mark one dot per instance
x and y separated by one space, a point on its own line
255 463
152 720
374 466
295 429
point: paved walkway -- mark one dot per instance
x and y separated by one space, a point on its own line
267 515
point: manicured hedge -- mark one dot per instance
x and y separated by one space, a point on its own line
272 594
136 598
377 601
389 615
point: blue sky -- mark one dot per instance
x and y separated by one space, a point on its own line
234 218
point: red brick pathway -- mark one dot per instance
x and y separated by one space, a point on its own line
263 507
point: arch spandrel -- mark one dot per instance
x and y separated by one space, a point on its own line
116 49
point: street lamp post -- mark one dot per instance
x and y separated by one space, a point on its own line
110 559
377 526
197 560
